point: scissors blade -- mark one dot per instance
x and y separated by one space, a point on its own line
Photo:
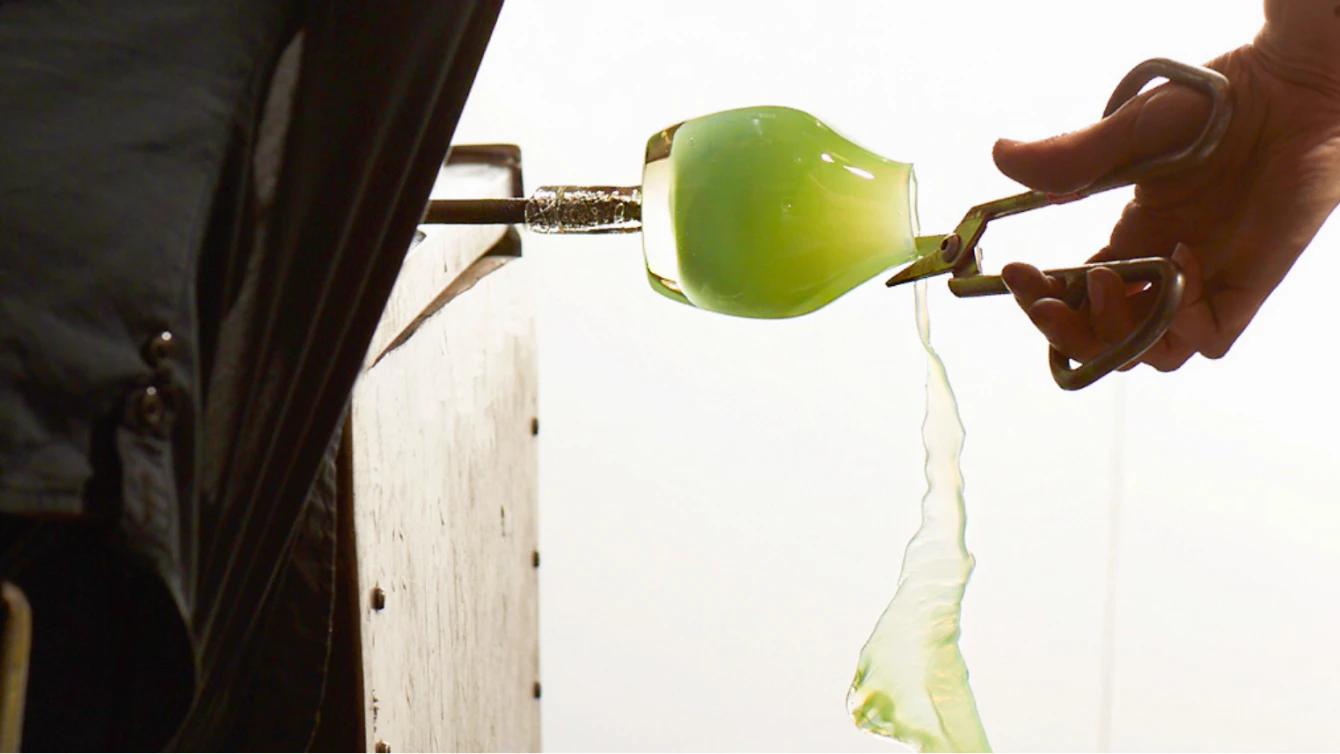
930 264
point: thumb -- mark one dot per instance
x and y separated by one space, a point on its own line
1152 124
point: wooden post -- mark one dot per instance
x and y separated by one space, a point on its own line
443 456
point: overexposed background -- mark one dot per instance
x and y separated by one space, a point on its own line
724 503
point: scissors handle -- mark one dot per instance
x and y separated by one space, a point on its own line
1163 274
1204 80
1209 82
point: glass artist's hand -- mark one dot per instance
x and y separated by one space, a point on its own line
1235 225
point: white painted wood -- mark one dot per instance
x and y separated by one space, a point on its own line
444 479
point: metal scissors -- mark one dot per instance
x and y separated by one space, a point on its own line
957 253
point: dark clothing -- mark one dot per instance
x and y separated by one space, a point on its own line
184 482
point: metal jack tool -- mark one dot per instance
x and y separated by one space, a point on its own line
957 253
618 209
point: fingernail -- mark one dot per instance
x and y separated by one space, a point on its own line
1013 277
1097 296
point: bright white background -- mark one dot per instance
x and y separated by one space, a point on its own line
724 503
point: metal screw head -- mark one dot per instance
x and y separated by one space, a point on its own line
378 598
949 248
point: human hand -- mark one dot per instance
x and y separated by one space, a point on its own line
1236 224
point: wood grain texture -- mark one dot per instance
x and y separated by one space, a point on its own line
444 475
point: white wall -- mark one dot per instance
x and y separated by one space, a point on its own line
724 503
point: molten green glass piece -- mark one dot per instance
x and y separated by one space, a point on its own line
766 212
911 681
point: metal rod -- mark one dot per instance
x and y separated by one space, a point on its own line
551 209
476 212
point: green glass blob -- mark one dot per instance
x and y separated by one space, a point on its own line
766 212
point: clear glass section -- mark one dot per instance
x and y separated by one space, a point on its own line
584 209
766 212
658 224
